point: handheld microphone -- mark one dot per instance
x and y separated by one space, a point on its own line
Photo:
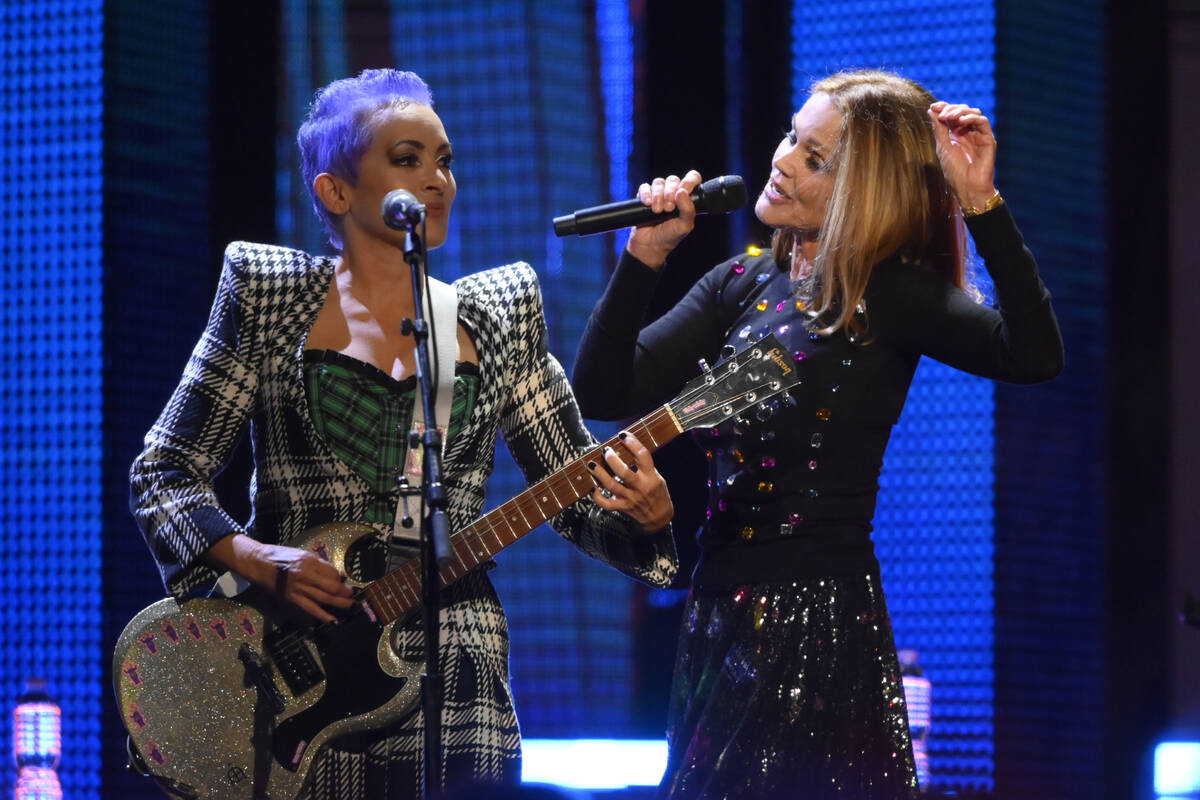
401 210
717 196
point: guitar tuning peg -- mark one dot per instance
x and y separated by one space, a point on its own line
788 400
728 351
764 412
704 367
741 425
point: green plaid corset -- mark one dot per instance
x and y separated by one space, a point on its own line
364 415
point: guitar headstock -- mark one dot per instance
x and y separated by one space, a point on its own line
756 374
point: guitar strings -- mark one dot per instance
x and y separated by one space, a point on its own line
475 529
526 506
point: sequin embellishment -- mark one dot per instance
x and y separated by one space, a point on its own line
760 613
804 618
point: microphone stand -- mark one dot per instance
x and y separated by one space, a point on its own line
435 537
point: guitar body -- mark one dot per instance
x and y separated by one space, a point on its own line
229 699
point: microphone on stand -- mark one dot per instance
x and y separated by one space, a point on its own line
717 196
401 210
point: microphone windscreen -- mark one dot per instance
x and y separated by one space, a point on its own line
400 209
721 195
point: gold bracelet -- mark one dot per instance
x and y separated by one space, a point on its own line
972 211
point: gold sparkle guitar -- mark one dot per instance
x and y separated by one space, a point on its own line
232 699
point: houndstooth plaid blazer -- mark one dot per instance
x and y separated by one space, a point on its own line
247 369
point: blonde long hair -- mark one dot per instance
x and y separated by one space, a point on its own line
889 196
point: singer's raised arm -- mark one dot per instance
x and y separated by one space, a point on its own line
622 369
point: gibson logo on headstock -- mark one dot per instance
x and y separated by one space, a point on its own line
696 406
780 360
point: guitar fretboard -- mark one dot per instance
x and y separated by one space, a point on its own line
398 592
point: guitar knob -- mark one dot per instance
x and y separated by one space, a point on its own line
728 351
764 412
704 367
741 425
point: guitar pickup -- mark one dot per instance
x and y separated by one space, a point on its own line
295 662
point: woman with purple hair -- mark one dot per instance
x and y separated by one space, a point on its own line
308 352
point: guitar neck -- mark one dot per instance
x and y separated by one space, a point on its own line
398 592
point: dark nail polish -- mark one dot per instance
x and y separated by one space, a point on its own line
632 468
591 465
622 435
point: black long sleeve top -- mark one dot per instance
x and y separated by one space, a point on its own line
794 496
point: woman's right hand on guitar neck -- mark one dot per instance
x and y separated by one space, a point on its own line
299 577
651 244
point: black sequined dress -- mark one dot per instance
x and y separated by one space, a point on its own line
786 680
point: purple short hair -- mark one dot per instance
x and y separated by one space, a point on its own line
338 128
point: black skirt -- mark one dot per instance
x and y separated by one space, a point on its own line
789 690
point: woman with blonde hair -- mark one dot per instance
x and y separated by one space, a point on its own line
786 680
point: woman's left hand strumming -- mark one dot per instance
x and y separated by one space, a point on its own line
636 489
966 147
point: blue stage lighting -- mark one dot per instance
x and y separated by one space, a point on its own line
1177 769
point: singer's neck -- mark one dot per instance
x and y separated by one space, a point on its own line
376 270
804 254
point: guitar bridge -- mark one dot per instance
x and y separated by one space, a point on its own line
293 659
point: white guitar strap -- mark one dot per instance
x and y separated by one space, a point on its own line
440 304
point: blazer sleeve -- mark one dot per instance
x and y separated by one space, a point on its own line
542 426
171 481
